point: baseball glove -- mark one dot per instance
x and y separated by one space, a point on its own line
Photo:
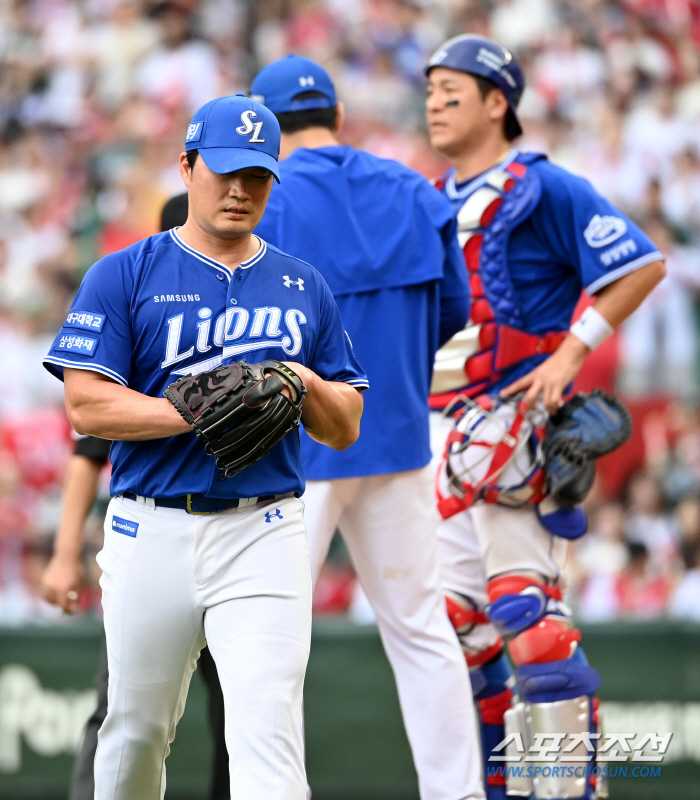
585 428
239 411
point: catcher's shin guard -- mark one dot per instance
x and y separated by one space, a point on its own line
557 717
492 681
494 699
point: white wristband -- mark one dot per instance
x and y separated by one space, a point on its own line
592 328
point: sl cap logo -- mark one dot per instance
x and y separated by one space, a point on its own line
289 282
309 81
248 126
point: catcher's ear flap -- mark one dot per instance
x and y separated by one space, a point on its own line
568 523
270 386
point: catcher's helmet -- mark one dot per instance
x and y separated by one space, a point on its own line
480 56
494 453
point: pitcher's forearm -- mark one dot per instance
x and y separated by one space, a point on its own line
97 406
332 410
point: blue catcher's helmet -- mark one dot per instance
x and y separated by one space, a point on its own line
480 56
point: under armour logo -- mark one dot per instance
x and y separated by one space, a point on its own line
269 515
307 81
289 282
249 126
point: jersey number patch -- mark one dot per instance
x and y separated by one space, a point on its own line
249 126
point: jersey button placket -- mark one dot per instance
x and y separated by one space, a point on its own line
232 286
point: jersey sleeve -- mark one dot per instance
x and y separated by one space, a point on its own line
333 358
599 241
96 335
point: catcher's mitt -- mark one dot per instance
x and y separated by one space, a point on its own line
239 411
585 428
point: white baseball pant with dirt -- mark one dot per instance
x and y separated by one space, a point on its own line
389 525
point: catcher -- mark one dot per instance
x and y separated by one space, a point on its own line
533 236
204 536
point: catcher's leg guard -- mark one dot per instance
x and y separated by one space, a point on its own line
492 681
558 713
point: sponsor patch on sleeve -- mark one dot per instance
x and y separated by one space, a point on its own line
618 252
70 343
194 132
603 230
125 526
86 320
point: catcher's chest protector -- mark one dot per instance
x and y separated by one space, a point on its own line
485 223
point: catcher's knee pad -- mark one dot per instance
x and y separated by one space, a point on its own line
518 602
552 681
551 639
480 641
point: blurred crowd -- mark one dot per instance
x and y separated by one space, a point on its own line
95 96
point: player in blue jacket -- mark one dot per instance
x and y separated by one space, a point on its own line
385 242
191 555
534 237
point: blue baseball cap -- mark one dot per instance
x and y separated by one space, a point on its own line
480 56
233 133
277 84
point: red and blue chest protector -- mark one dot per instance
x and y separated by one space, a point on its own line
533 236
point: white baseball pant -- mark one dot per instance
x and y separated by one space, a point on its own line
239 579
388 523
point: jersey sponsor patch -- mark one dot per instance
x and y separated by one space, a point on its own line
125 526
85 345
87 320
603 230
175 298
194 132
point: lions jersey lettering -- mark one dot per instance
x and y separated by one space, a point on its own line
230 326
168 310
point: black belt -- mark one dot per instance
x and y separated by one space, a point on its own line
198 504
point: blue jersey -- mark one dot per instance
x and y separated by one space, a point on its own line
573 240
385 241
159 309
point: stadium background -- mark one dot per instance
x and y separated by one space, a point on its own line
94 98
